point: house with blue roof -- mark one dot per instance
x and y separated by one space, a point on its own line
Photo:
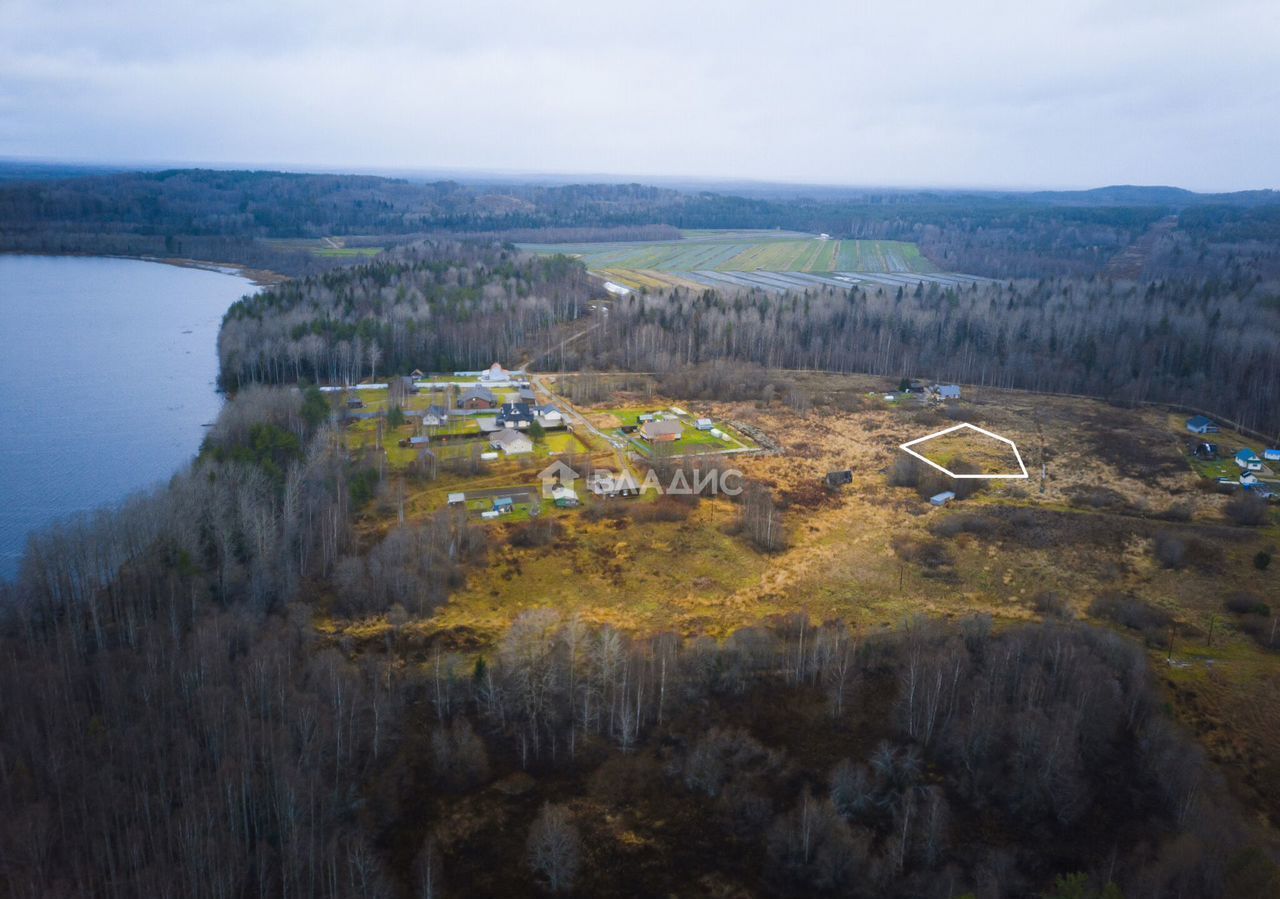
1201 425
1248 460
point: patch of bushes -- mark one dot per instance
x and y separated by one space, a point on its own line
1243 603
1133 613
1247 509
1051 604
965 523
538 532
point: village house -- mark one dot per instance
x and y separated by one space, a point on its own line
1271 455
550 417
526 395
435 417
664 431
1248 460
416 373
704 424
947 391
511 442
515 415
1200 425
1248 479
495 374
478 397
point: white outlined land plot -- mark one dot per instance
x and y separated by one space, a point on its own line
907 448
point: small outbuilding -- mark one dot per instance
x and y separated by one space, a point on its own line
1271 455
839 478
457 499
1248 479
503 504
1248 460
704 424
564 497
941 499
1199 424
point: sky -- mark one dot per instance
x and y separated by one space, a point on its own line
1035 93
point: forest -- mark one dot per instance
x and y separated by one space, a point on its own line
233 215
181 720
1205 344
175 724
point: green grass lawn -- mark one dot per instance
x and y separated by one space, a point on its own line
739 251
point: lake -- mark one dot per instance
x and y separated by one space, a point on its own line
107 377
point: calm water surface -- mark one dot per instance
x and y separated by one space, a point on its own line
107 371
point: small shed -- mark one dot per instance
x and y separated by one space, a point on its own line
354 402
503 504
1271 455
941 499
457 499
1248 479
564 497
704 424
416 373
839 478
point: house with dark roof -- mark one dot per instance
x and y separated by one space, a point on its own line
515 415
839 478
478 397
1198 424
947 391
435 416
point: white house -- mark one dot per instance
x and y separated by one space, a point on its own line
495 373
1248 460
511 442
1271 455
1248 479
550 417
704 424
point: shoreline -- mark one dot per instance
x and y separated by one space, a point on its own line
259 277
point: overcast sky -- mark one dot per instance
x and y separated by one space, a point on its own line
975 93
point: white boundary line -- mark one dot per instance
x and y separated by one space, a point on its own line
906 447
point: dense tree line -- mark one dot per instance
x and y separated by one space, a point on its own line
1200 343
437 306
229 216
1204 344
